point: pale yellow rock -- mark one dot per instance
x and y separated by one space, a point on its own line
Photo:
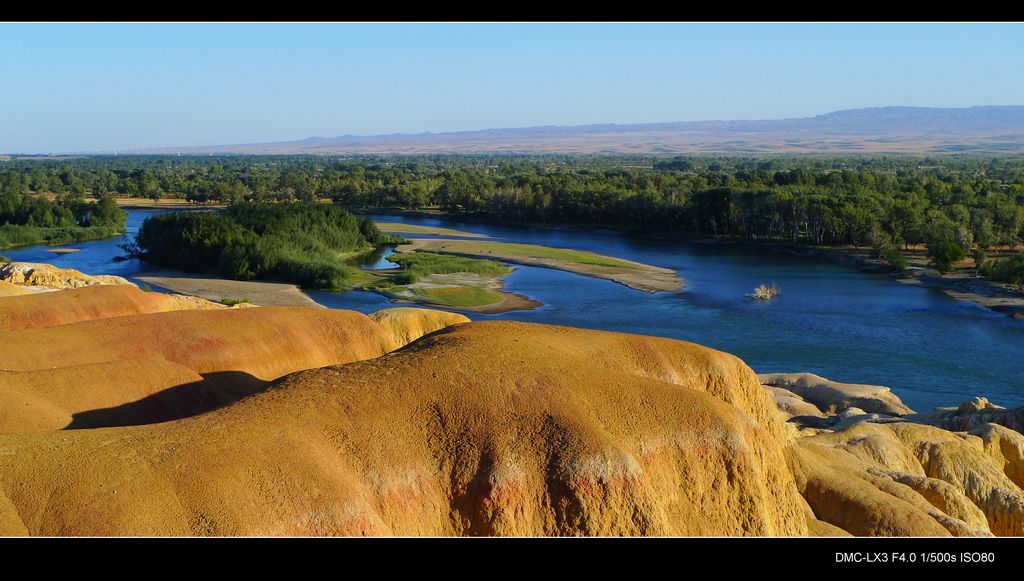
405 325
843 492
832 397
960 459
792 405
972 414
12 290
852 476
493 428
46 275
36 310
942 495
1006 447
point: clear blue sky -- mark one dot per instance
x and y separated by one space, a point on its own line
74 87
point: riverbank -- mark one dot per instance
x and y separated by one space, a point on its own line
961 284
17 235
992 295
262 293
166 204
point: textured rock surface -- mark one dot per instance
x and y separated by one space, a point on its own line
831 397
483 428
12 290
244 345
405 325
102 394
902 478
973 414
49 276
875 474
36 310
149 368
792 405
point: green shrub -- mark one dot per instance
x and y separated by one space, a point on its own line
893 256
945 253
230 301
979 259
1009 270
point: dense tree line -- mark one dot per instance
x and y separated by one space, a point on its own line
30 219
951 203
301 243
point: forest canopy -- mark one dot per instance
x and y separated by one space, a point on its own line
952 203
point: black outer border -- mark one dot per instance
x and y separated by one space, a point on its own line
458 557
502 557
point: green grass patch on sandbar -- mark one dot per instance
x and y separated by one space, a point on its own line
416 265
512 251
459 296
231 301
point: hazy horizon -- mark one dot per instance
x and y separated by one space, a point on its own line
101 87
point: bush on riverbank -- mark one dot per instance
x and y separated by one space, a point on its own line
893 256
1009 270
28 220
300 243
18 235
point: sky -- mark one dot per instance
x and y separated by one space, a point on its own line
99 87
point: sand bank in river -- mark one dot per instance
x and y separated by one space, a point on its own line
965 287
212 288
635 275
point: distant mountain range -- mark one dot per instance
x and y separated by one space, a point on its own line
982 129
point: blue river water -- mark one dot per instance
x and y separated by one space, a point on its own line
832 320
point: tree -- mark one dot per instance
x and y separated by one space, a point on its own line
944 253
1009 270
979 260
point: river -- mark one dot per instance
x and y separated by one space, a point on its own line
832 320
